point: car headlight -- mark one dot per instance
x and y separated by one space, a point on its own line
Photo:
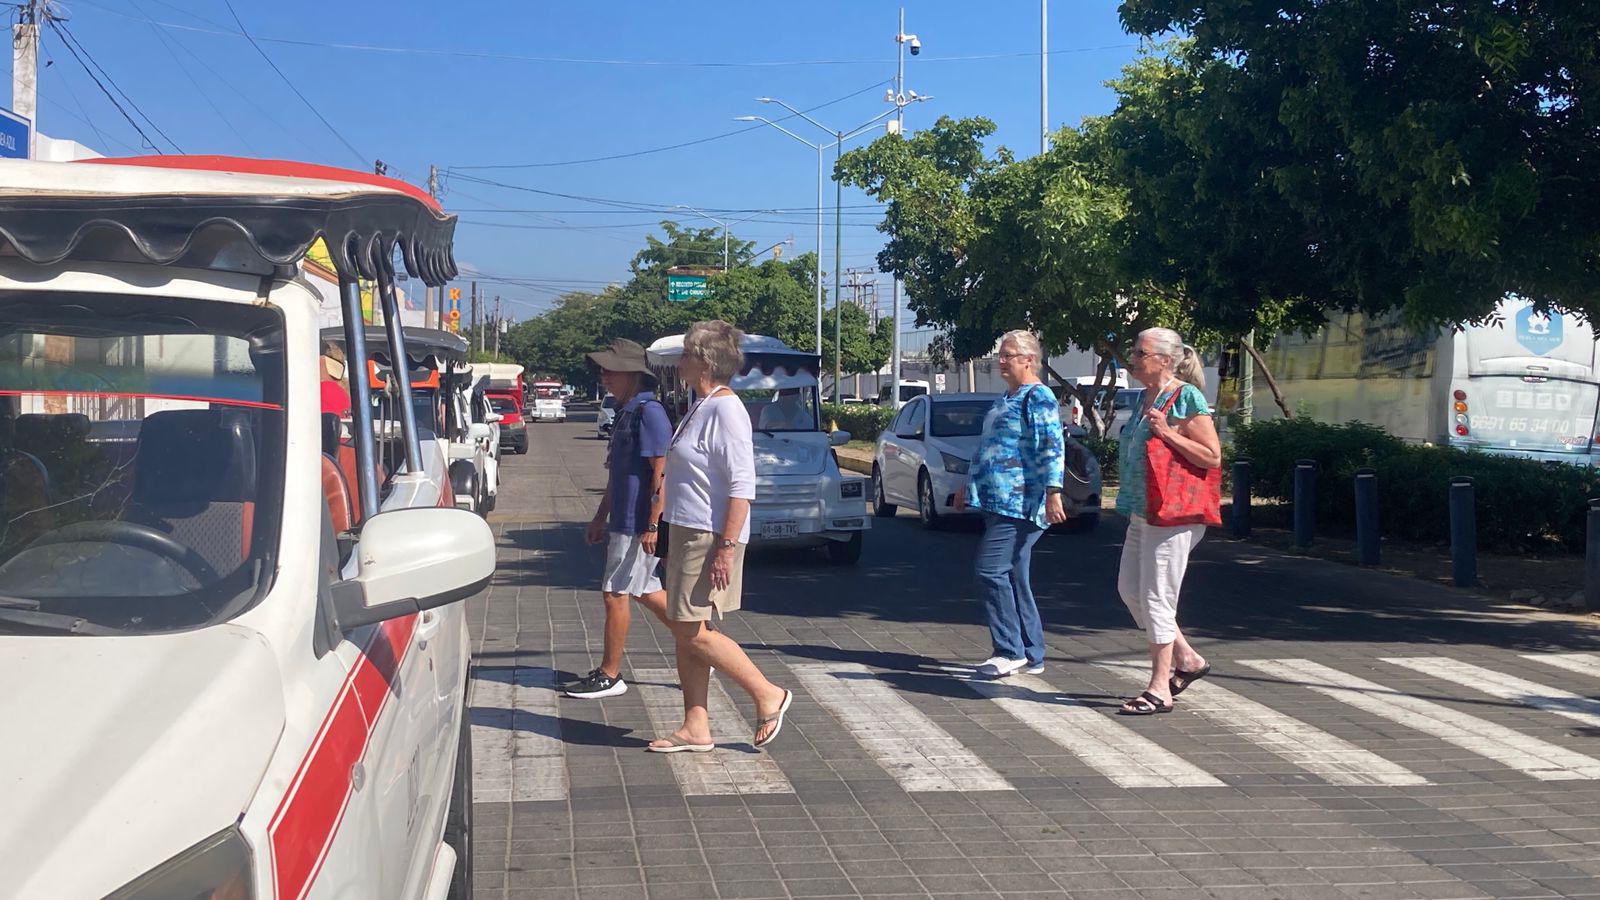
851 490
955 465
217 868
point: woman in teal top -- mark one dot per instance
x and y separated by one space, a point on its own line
1154 557
1016 482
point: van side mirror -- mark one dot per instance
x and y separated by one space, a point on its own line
494 418
479 431
839 438
415 559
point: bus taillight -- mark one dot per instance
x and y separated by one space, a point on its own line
1461 430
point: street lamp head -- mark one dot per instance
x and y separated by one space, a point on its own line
764 100
747 118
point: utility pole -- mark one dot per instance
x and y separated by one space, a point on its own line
497 326
25 65
475 337
429 319
900 100
838 266
1044 76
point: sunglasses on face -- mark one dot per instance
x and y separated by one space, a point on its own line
1008 357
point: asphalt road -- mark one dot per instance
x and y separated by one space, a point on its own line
1363 735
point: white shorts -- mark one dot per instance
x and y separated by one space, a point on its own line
629 570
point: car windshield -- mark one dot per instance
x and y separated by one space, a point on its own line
959 418
503 405
142 456
790 409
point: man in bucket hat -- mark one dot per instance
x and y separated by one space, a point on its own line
630 510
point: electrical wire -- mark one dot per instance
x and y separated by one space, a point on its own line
204 95
221 29
678 146
314 111
68 35
151 144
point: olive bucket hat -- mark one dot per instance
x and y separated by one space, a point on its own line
623 356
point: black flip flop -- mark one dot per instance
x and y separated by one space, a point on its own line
1188 678
1146 704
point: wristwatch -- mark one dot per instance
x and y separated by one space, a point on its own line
727 543
652 528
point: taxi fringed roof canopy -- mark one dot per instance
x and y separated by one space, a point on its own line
162 204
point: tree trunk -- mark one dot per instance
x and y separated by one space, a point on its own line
1272 383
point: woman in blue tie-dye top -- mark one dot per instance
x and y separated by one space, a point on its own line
1016 482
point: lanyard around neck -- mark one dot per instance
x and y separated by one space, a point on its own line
684 425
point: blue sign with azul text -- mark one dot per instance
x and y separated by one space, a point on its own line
1538 332
13 135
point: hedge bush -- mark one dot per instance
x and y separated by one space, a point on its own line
864 421
1522 505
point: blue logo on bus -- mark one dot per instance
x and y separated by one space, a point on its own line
1538 332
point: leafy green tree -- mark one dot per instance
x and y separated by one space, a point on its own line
1420 155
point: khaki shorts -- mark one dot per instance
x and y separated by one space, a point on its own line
690 596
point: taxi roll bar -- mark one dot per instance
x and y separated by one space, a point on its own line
397 351
355 341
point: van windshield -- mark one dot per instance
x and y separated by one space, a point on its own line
789 409
141 461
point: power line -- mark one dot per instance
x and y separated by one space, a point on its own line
67 34
165 45
678 146
103 89
221 29
314 111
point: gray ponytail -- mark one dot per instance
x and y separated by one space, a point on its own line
1189 368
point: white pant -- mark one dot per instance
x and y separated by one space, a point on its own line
1154 558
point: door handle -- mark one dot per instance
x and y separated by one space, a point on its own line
427 625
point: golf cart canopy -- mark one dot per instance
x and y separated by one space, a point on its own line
197 211
769 364
420 342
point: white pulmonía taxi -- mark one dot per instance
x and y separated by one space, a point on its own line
802 497
232 639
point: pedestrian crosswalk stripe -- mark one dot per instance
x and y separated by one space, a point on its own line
914 750
1328 756
1540 759
734 767
1505 687
1582 663
517 750
1126 757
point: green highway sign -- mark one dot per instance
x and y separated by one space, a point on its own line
682 288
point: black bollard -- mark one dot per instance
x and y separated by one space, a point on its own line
1305 502
1463 532
1591 570
1367 547
1239 519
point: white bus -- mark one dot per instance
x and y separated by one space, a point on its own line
1525 386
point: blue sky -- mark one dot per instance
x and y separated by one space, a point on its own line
470 104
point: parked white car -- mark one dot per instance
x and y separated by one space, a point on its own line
606 419
548 405
922 460
233 647
802 497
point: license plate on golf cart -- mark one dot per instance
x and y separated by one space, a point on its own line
771 531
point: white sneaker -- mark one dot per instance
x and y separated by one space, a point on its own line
1000 666
1035 669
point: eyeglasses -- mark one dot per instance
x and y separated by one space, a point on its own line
1143 354
1008 357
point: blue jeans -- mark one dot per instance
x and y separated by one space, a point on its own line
1004 555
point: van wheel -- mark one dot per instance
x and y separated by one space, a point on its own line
881 507
927 505
487 504
846 553
458 821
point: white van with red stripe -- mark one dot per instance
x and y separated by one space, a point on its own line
232 627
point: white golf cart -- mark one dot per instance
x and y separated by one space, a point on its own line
802 497
233 641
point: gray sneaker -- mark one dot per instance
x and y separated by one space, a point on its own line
596 685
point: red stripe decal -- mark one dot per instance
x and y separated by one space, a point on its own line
221 401
306 821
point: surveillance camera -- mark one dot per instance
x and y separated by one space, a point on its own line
916 46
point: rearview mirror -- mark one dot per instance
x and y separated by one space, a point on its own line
415 559
839 438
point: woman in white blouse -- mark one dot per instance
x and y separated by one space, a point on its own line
710 481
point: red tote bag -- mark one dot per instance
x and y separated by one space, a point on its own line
1176 491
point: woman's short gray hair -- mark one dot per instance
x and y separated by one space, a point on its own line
716 343
1027 344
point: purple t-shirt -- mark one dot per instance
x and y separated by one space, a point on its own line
641 433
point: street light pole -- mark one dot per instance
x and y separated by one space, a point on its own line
838 267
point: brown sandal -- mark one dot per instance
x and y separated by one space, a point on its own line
1146 704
